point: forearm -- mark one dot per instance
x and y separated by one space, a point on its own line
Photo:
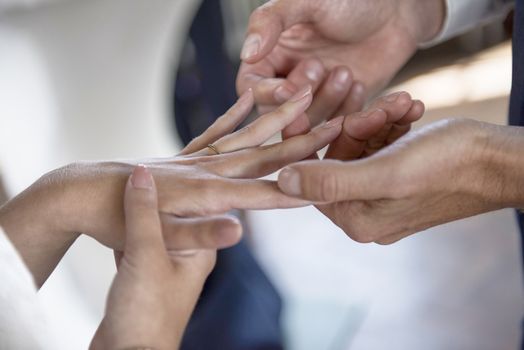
45 219
29 221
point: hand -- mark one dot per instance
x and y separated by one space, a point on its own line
154 291
446 171
87 197
291 43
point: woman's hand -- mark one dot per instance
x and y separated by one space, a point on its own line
87 197
446 171
155 290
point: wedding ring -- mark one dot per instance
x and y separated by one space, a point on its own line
213 148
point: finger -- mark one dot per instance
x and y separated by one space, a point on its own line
333 181
300 126
270 91
223 125
258 162
267 90
222 196
403 126
215 232
357 129
396 106
266 24
355 100
143 228
413 114
330 95
267 125
366 132
309 71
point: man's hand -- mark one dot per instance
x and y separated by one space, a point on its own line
291 43
154 291
449 170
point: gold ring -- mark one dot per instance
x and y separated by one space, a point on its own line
213 148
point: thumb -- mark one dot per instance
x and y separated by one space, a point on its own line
266 24
143 227
334 181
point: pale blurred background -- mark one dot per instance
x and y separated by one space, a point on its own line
95 80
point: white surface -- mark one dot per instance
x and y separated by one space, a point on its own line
457 286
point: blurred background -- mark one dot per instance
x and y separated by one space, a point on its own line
104 79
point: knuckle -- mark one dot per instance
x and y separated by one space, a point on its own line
281 111
247 130
329 187
260 13
141 202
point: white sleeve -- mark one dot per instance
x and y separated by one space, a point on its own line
22 320
463 15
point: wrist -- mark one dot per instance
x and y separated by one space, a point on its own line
92 200
31 222
424 18
501 164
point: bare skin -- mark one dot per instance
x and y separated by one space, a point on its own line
173 219
452 169
290 42
155 289
86 197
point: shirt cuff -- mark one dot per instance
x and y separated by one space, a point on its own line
464 15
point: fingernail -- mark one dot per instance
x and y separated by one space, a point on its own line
289 181
182 253
367 113
282 94
393 97
341 78
141 177
251 46
301 94
334 122
357 90
314 72
245 95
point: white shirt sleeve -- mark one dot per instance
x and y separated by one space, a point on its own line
463 15
22 320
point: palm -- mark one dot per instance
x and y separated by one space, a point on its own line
371 39
358 52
